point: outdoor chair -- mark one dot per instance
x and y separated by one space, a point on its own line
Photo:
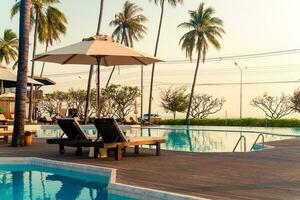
3 119
48 120
75 137
114 138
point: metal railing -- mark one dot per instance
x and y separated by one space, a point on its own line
262 141
242 138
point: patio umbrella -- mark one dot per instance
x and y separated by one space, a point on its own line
97 50
8 96
8 79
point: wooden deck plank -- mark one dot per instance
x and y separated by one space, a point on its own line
269 174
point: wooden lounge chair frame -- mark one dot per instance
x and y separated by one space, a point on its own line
69 126
113 138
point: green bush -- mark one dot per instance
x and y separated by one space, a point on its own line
256 122
1 110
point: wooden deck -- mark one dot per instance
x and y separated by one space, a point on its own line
268 174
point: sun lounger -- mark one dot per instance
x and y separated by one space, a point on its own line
114 138
48 120
3 119
126 121
134 122
75 136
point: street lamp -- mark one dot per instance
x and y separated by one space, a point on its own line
241 87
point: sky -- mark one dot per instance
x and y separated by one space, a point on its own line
252 26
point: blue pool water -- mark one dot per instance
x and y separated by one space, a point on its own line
26 182
196 138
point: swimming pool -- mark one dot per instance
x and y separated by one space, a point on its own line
196 138
36 179
31 182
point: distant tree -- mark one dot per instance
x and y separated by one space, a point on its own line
52 103
9 45
122 99
174 100
205 105
296 100
274 107
49 106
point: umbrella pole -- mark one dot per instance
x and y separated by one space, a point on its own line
142 90
88 95
98 86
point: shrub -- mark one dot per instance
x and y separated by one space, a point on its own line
256 122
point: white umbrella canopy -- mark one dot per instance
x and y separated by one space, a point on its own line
94 49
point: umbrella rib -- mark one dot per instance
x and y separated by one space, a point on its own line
70 58
37 58
135 58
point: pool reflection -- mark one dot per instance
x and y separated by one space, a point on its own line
35 185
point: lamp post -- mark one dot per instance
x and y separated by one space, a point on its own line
241 87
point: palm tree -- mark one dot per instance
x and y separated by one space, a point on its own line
129 27
55 26
21 89
129 24
88 93
162 5
9 46
204 29
38 11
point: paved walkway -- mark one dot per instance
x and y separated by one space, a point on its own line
268 174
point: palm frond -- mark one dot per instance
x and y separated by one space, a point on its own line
204 29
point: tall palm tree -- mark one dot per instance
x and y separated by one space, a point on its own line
129 24
55 26
162 3
129 27
88 93
9 47
38 19
21 89
204 29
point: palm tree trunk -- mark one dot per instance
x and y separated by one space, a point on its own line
32 67
21 88
130 39
109 78
100 17
42 71
155 53
88 92
193 88
125 37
